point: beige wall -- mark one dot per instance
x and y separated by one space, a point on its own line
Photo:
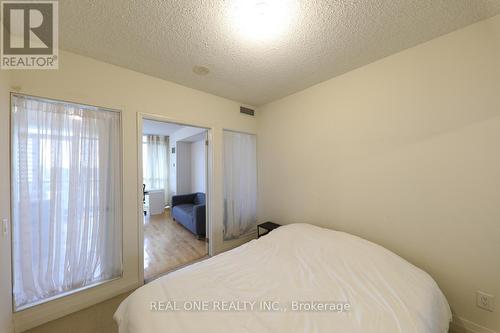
404 152
183 166
5 283
84 80
198 166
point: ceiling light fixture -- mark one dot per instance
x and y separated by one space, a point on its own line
201 70
261 20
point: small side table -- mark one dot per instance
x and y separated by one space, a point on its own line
268 226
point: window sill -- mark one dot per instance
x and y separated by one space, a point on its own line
76 301
65 294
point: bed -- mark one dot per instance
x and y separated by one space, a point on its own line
299 278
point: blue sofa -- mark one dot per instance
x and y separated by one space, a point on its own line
189 210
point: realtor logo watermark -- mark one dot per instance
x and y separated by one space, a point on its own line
29 34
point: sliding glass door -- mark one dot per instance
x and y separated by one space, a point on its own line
240 184
66 198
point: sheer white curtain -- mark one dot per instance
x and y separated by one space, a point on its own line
66 198
240 184
155 163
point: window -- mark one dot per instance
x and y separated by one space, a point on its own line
155 163
66 198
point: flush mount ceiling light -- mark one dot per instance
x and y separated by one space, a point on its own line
261 20
201 70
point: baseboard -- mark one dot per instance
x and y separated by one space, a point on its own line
461 325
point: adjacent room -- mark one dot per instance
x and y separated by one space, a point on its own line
250 166
174 166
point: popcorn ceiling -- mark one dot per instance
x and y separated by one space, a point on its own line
167 38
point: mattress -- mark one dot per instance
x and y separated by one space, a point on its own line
299 278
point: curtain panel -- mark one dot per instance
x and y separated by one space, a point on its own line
66 198
240 184
155 163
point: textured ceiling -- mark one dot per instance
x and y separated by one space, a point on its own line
166 38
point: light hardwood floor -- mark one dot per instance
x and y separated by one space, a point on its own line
168 245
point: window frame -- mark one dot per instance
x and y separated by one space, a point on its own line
60 297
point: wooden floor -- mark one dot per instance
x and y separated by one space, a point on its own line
167 245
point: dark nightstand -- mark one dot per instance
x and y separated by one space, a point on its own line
268 226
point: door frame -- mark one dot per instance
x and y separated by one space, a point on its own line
141 116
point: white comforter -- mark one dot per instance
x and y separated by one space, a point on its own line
298 262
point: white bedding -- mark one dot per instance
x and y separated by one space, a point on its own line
297 262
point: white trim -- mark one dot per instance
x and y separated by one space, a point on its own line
64 294
210 182
60 101
140 202
210 185
73 302
232 243
158 117
461 325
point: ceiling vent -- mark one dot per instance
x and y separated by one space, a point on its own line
247 111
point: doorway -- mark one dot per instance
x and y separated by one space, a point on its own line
174 162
